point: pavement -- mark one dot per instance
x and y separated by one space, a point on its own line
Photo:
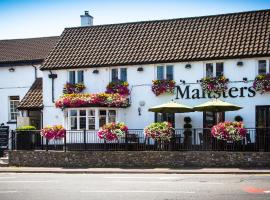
42 186
6 169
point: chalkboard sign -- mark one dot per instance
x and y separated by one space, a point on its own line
4 131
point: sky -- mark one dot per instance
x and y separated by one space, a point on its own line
40 18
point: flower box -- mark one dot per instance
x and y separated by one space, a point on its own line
214 84
113 131
55 132
262 83
92 100
70 88
229 131
163 86
120 87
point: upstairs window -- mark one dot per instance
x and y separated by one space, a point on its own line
13 104
214 69
119 74
76 76
165 72
262 67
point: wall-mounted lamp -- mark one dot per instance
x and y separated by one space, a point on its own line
240 63
188 66
11 69
183 82
139 111
245 79
95 71
140 69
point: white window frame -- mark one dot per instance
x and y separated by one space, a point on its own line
214 67
87 115
267 65
76 75
118 73
9 108
165 70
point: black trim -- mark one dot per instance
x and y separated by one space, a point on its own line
12 122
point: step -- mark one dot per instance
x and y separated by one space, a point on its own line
4 161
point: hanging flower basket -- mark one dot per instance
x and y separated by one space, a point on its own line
120 87
262 83
113 131
87 100
229 131
163 86
159 131
55 132
214 84
70 88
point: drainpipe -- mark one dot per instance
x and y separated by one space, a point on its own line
35 71
52 76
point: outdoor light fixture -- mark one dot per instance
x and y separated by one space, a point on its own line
139 111
95 71
11 69
239 63
188 66
140 69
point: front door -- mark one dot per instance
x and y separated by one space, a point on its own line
263 127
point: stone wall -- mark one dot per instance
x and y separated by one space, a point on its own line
169 159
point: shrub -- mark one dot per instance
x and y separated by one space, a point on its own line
26 128
187 119
53 132
112 131
238 118
160 131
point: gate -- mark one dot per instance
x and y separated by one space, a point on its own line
4 133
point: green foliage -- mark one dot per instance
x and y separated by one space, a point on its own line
26 128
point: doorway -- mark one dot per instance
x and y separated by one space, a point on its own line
263 127
212 118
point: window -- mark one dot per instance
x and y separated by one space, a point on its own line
76 76
117 74
262 67
214 69
90 119
165 72
13 104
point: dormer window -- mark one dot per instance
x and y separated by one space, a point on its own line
214 69
76 76
165 72
263 66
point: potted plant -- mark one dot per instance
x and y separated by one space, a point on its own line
262 83
70 88
214 84
112 131
163 86
238 118
120 87
55 132
159 131
25 136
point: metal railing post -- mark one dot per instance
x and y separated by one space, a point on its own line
47 144
65 143
84 138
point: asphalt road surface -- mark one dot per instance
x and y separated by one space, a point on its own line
133 186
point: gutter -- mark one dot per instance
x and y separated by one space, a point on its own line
52 76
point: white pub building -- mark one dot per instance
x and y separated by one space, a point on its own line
236 46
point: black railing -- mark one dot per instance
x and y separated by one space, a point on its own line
199 139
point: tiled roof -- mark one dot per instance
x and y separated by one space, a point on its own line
234 35
33 98
26 50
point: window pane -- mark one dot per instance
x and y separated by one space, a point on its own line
102 112
112 116
219 69
91 123
102 118
169 72
71 77
160 73
123 74
73 123
82 122
114 75
73 113
80 76
82 112
91 112
262 67
209 69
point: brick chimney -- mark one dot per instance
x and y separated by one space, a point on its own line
86 19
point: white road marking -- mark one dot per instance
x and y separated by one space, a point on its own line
136 191
5 192
28 181
4 177
166 182
130 177
268 191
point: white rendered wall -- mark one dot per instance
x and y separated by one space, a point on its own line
140 85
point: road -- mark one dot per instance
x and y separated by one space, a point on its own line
28 186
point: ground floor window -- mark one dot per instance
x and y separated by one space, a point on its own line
13 104
212 118
90 118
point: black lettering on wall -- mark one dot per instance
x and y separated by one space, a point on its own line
195 94
183 95
251 92
231 92
242 89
